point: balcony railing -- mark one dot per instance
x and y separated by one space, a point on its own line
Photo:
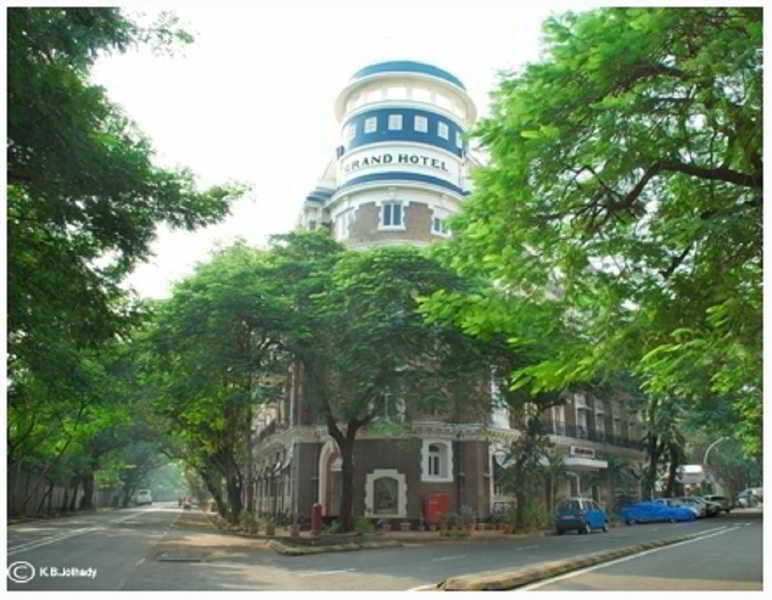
583 433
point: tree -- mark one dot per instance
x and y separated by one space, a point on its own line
625 178
529 468
364 343
215 347
84 197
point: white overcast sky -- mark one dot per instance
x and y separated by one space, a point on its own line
252 98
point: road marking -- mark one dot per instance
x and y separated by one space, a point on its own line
424 588
63 536
318 573
49 540
538 584
454 557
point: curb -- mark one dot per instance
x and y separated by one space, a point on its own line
290 550
509 579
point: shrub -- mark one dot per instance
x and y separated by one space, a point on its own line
363 526
468 515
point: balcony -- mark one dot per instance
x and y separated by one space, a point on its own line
583 433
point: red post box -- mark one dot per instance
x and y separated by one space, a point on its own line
435 504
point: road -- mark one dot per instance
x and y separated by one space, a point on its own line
111 544
115 551
729 559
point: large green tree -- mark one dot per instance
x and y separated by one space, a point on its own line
375 355
624 188
84 197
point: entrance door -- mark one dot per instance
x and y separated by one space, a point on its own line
334 487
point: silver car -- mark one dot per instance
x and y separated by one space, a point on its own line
722 501
707 509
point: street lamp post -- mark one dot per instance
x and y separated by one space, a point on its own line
709 448
707 453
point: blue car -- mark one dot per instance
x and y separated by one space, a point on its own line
650 512
582 514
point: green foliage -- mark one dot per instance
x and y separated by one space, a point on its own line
364 526
624 196
84 197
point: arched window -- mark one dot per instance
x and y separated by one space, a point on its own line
434 460
437 460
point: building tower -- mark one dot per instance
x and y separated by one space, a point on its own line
400 169
399 172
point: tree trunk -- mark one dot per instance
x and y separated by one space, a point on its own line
215 490
347 488
233 488
74 485
87 501
650 473
45 497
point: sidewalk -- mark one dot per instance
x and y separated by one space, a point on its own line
195 531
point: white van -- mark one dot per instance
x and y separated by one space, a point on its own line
143 497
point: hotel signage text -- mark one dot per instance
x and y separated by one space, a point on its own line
394 158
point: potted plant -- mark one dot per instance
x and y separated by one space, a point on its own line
293 528
249 523
467 518
443 522
270 527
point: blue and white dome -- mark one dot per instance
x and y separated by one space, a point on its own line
400 168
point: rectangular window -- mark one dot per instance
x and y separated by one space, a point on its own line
421 124
442 130
439 226
392 215
395 121
371 124
459 140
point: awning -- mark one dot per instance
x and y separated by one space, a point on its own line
586 463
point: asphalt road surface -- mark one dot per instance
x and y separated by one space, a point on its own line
115 551
729 559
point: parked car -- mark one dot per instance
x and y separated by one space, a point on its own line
707 508
679 503
143 497
724 502
750 497
582 514
649 512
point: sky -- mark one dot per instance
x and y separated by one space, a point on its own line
251 100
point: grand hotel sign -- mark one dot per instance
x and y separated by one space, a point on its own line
397 158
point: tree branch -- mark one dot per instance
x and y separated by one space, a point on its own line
717 174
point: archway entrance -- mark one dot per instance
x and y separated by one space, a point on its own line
330 480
